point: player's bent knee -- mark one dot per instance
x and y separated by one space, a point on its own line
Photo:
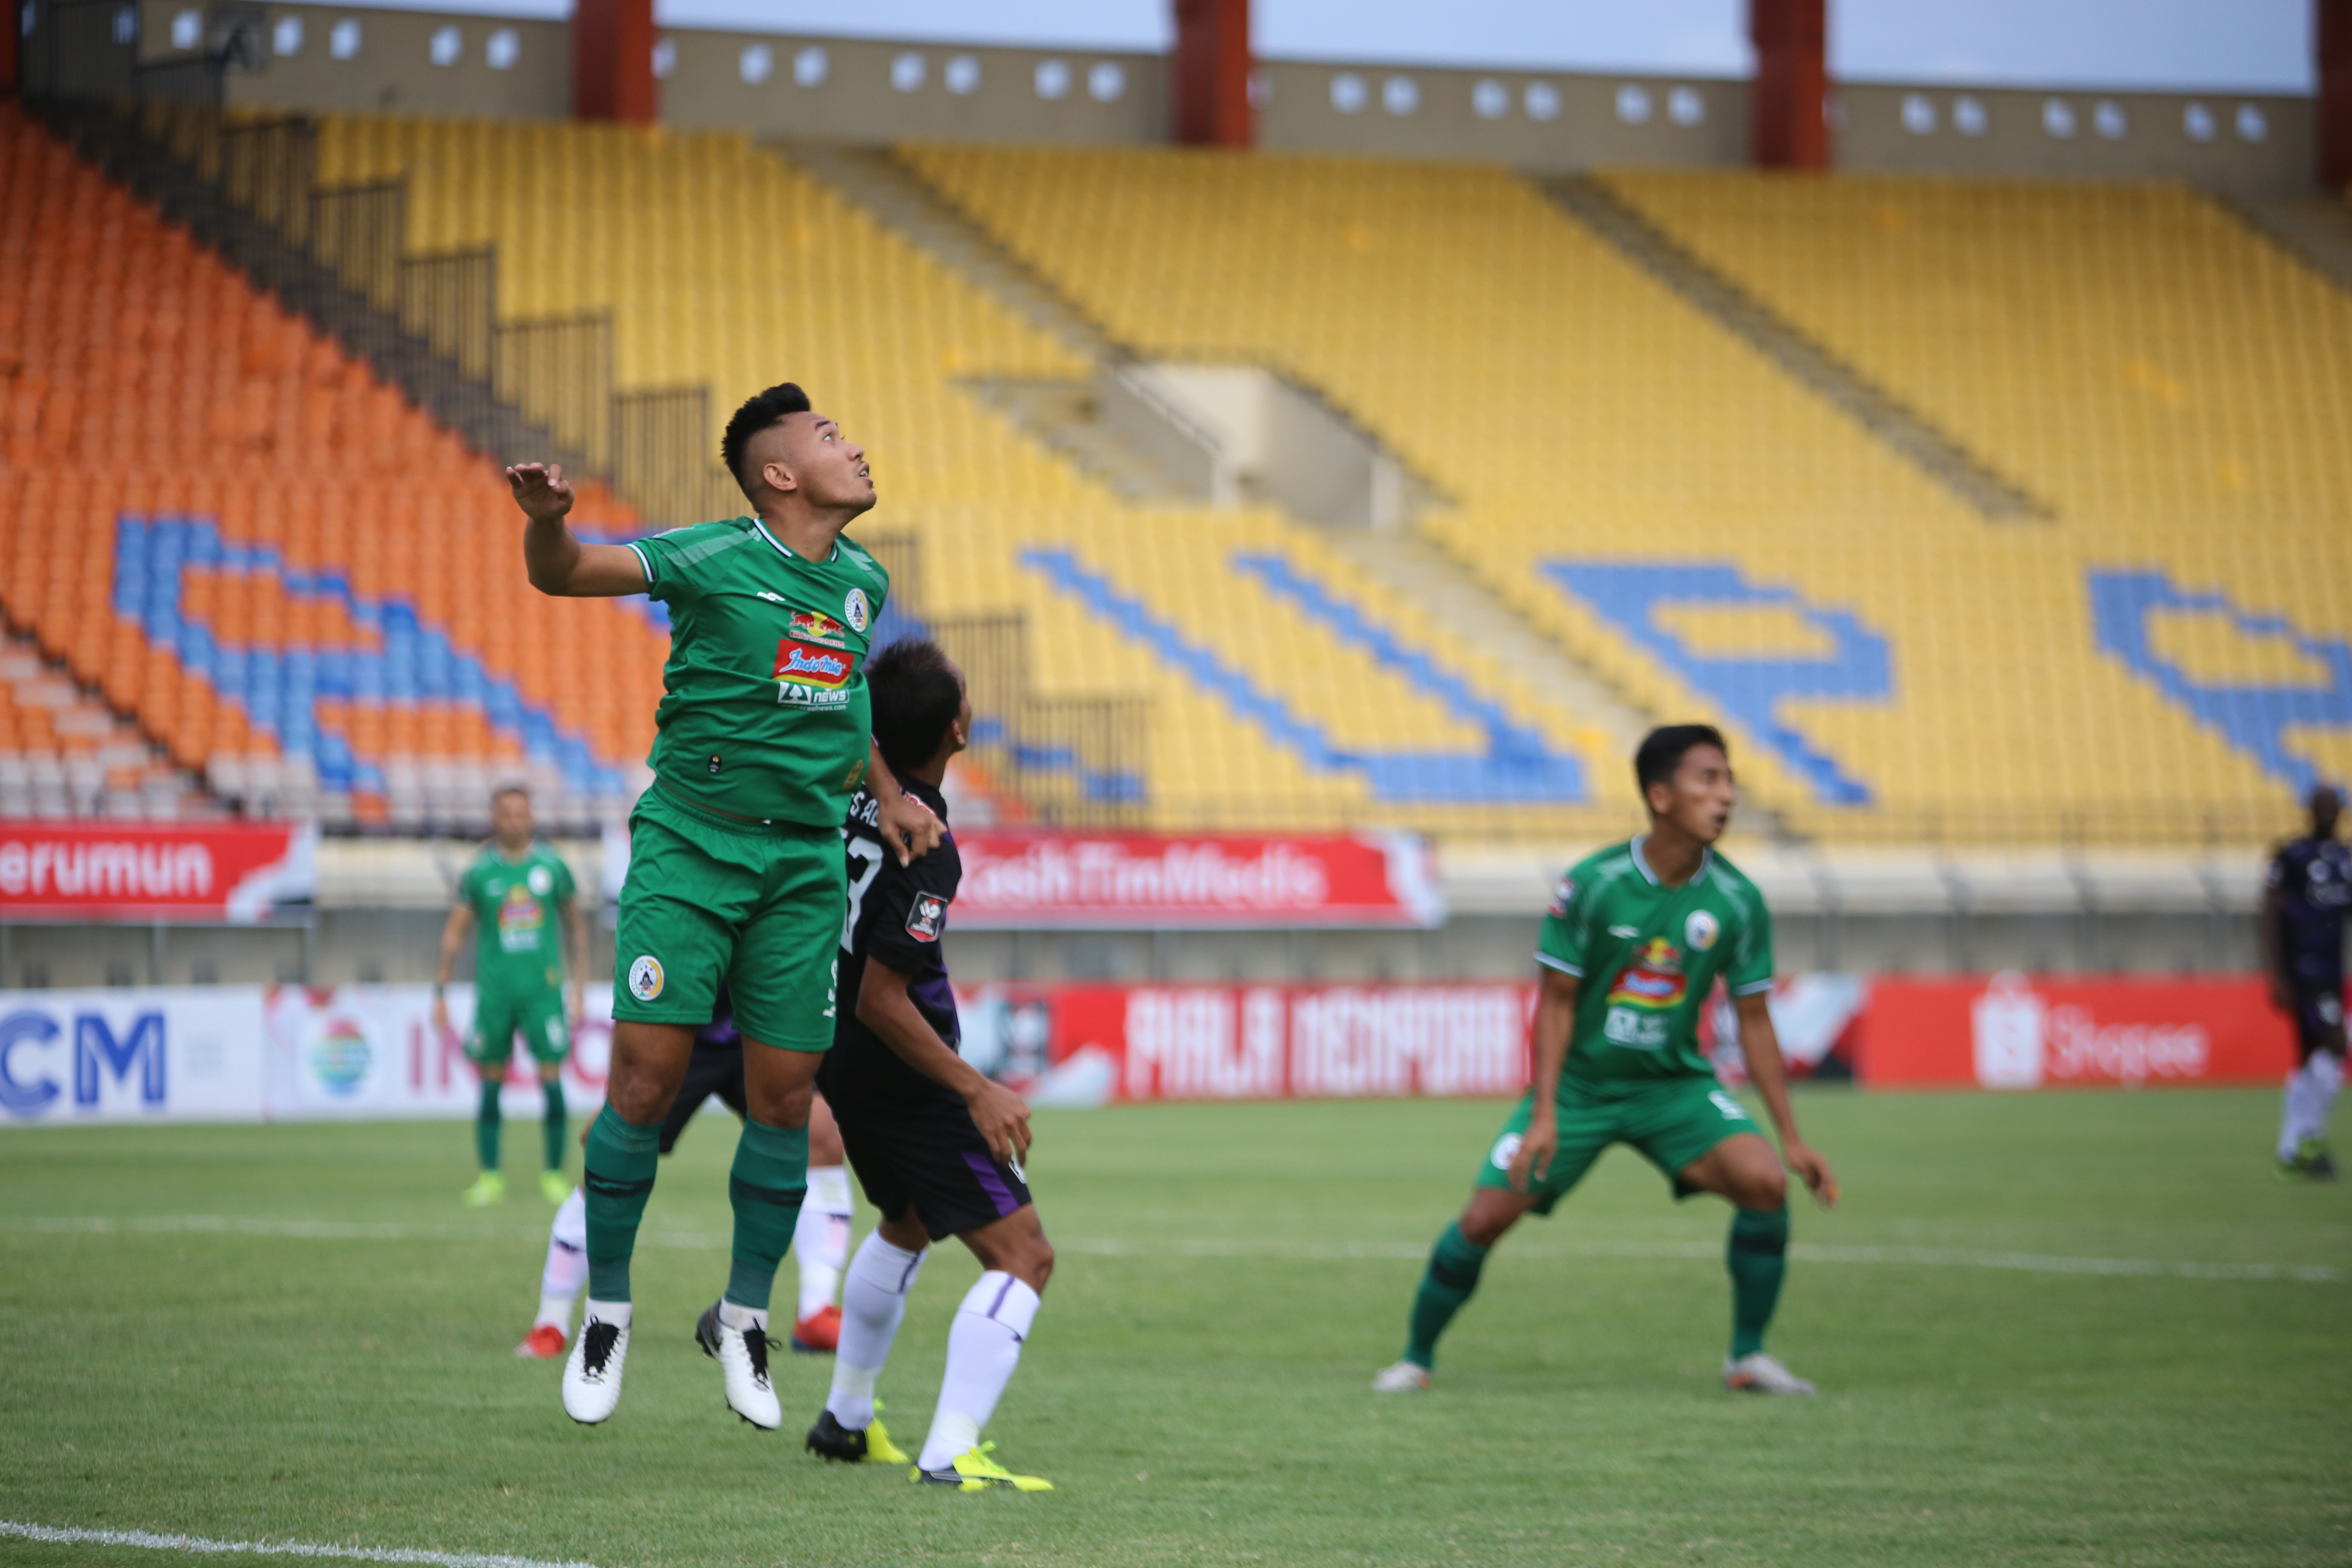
1491 1213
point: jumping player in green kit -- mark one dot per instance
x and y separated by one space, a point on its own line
513 893
1635 939
735 864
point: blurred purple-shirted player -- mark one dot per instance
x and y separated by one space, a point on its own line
2308 895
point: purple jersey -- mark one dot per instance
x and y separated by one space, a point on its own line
2313 879
900 915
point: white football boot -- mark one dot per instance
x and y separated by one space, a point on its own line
1757 1373
1404 1377
591 1378
742 1356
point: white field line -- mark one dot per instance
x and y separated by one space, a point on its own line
1232 1246
154 1541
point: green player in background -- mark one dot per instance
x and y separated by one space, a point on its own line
514 890
1634 941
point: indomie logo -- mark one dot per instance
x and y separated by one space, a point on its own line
817 628
806 664
1654 979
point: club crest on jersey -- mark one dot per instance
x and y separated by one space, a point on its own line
1654 979
810 664
645 977
541 882
928 915
1701 930
1563 893
856 610
809 625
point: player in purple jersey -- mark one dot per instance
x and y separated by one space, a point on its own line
935 1144
2308 896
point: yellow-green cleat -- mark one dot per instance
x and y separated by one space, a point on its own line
878 1446
554 1187
974 1471
488 1189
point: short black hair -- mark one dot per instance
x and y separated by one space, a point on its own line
507 788
1661 753
756 415
918 693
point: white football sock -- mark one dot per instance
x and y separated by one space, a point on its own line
2291 1117
983 1347
820 1238
567 1263
872 1304
2324 1077
731 1316
616 1313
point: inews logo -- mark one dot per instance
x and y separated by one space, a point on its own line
812 627
806 664
1654 978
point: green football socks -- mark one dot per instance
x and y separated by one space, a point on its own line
766 1186
552 1124
620 1166
1758 1256
1453 1265
485 1128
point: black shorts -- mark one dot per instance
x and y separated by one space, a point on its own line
2318 1012
709 1072
927 1156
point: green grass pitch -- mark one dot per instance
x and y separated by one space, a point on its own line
1230 1277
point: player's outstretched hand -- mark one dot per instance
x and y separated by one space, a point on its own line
540 490
1003 1117
909 829
1532 1162
1814 1170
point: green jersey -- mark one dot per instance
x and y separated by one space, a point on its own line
515 903
1648 956
765 714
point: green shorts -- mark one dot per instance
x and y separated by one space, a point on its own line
1671 1122
499 1017
708 900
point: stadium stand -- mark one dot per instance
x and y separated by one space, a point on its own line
1637 481
289 577
1284 689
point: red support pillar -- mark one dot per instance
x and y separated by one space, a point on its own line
613 61
2332 43
1213 74
1787 126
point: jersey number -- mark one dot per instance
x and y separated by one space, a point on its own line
868 854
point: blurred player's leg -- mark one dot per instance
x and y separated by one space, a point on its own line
1746 1169
821 1236
559 1280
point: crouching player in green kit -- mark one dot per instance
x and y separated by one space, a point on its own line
735 864
513 892
1635 940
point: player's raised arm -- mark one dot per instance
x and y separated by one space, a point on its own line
557 563
1760 1044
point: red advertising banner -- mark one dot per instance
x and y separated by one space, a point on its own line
1090 1045
2015 1031
1107 880
163 871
